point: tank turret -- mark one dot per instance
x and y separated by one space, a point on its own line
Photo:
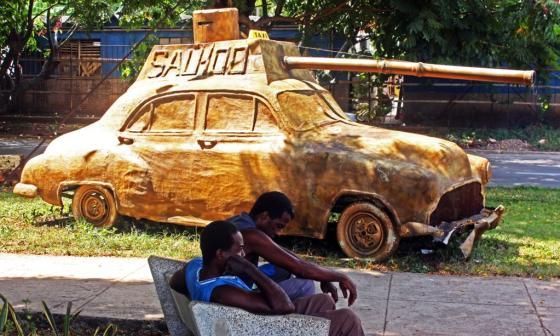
413 69
217 51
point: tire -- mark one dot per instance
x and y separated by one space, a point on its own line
365 231
95 204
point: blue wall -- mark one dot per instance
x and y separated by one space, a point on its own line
115 44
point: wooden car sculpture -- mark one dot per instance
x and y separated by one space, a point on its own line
208 127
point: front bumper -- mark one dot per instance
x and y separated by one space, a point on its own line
487 219
25 190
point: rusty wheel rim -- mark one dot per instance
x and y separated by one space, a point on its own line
366 233
94 207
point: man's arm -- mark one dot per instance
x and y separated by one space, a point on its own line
326 286
270 299
177 283
259 243
253 302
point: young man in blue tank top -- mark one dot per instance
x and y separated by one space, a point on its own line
271 212
216 278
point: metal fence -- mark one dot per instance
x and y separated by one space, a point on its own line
80 67
77 72
471 104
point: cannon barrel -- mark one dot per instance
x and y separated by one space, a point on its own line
412 69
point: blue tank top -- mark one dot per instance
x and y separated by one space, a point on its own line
243 221
202 290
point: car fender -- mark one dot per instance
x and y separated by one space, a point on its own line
346 197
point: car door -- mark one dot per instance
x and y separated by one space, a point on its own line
240 141
159 135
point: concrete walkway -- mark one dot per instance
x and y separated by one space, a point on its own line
388 303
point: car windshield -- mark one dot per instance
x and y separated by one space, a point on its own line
309 109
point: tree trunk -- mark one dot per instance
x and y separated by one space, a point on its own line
46 72
6 63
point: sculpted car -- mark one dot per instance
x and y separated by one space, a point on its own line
208 127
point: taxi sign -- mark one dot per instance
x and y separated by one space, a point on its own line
258 34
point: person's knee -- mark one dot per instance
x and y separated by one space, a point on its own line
325 300
348 315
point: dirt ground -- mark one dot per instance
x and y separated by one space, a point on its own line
507 145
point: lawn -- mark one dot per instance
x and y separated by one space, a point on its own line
527 243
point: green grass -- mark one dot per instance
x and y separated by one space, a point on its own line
527 243
32 226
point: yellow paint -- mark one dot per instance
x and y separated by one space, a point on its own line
258 34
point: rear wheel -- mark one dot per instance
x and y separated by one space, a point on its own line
365 231
95 204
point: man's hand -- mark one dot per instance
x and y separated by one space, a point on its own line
348 286
329 288
239 266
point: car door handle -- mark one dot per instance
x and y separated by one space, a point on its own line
125 140
206 144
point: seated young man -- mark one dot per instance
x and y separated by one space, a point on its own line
216 278
271 212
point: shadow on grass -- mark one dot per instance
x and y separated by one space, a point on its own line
124 225
130 225
65 221
422 255
491 256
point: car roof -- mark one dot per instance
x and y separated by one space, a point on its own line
255 84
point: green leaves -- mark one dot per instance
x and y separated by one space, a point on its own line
8 311
67 319
3 315
50 318
480 33
7 308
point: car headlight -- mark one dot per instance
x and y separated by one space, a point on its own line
488 173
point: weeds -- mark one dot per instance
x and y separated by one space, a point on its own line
10 323
540 137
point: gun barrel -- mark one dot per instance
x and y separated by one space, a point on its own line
525 77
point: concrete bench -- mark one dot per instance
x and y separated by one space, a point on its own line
184 317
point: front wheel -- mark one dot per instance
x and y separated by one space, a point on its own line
365 231
95 204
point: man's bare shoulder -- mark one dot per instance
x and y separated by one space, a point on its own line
258 242
254 234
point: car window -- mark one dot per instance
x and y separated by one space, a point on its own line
307 109
230 113
334 106
143 121
173 113
265 120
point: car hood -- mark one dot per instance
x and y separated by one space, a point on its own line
393 149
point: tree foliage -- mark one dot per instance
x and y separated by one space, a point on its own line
490 33
23 23
520 33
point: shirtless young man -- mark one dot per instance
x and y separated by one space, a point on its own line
216 278
271 212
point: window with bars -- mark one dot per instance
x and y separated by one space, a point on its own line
175 40
80 58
